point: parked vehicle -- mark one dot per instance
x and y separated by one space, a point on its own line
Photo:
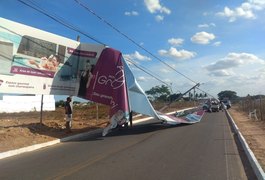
205 107
215 106
227 103
211 105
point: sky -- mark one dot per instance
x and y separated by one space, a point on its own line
219 44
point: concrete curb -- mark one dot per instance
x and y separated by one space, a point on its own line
250 155
69 138
46 144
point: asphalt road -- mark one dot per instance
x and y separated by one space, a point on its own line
206 150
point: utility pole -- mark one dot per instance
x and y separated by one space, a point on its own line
181 95
194 96
198 84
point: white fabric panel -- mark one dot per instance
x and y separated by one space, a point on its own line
137 99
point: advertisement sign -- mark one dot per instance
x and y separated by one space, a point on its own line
137 98
108 86
37 62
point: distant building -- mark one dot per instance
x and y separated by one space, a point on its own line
26 103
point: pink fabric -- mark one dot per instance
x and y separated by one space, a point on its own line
108 83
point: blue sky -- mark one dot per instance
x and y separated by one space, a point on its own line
217 43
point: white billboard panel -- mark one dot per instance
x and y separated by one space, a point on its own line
33 61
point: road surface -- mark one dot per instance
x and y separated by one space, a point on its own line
206 150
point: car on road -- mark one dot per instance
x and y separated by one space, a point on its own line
227 103
215 106
211 105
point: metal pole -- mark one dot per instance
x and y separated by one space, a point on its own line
97 110
71 96
78 59
78 38
41 108
198 84
194 98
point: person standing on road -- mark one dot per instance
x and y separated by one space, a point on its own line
68 114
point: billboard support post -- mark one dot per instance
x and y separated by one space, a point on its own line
41 108
97 110
71 96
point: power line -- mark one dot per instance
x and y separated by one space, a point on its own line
63 22
130 39
72 27
57 19
206 92
141 68
150 73
75 29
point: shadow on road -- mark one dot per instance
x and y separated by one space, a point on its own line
137 129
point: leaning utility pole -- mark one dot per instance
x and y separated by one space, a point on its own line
181 95
198 84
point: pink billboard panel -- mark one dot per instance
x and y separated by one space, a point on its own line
107 85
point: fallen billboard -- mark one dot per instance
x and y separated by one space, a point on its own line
38 62
139 103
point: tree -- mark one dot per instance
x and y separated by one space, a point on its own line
59 103
174 97
227 94
158 93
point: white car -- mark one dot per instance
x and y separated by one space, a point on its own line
215 106
211 106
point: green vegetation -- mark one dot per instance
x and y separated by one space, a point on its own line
227 94
163 94
158 93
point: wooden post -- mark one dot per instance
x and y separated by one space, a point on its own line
41 108
260 109
72 107
97 111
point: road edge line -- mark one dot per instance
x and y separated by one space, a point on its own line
250 155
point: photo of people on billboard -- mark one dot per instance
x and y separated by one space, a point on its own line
44 62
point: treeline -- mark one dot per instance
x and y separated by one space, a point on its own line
164 94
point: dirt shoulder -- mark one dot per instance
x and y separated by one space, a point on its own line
19 130
254 133
23 134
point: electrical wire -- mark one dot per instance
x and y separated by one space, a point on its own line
141 68
72 27
59 20
130 39
206 93
65 23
